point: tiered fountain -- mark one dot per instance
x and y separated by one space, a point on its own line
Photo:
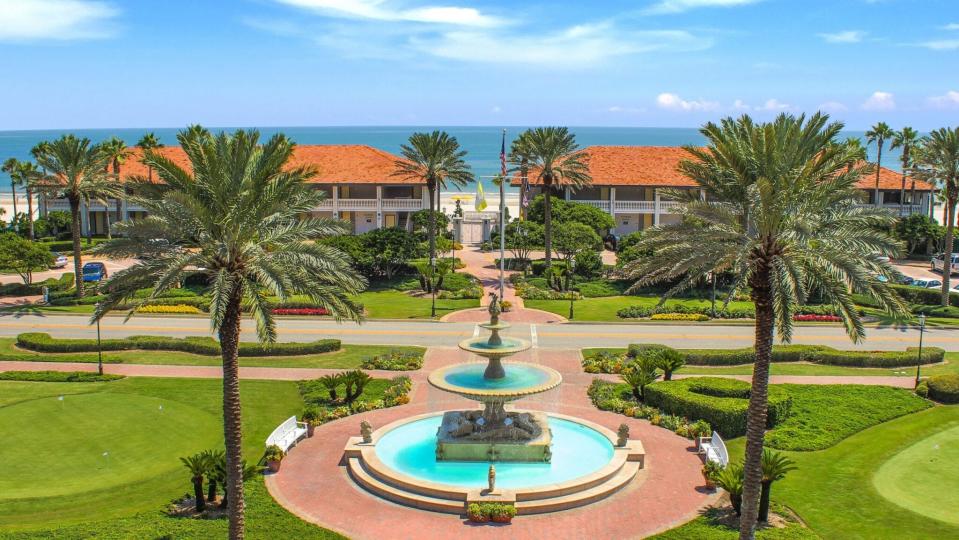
442 461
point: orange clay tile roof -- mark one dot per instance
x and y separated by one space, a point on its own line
657 166
334 163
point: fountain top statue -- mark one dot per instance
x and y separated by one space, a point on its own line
494 309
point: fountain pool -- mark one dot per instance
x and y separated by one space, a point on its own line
578 450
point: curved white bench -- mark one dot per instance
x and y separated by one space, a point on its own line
714 448
287 434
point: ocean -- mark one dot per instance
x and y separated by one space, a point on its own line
481 143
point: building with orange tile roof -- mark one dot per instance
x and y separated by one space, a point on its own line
628 182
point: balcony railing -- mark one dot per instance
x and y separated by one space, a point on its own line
356 204
602 205
403 204
636 207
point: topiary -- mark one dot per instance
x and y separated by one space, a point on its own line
943 388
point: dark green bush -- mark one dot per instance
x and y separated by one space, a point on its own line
817 354
42 342
63 283
599 288
937 311
943 388
920 295
57 376
721 402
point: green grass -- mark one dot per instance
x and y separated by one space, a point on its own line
951 365
350 356
390 304
915 477
57 456
605 308
709 526
314 393
833 489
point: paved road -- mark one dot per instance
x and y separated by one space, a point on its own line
426 333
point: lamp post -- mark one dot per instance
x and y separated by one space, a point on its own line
99 348
570 267
922 329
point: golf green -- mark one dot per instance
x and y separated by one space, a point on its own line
924 477
69 444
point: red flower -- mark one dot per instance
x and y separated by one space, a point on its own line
817 318
300 311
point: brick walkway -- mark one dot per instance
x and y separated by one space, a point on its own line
314 486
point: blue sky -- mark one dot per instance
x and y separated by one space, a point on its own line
137 63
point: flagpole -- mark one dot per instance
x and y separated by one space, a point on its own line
502 220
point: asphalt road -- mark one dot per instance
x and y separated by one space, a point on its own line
425 333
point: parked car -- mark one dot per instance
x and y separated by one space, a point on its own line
939 261
927 283
94 271
906 280
59 260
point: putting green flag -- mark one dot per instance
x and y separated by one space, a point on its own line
480 198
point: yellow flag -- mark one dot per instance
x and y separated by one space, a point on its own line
480 202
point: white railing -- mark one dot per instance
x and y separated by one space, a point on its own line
403 204
356 204
669 207
898 208
642 207
602 205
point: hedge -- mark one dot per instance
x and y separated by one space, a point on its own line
42 342
941 388
816 354
721 402
64 283
57 376
912 295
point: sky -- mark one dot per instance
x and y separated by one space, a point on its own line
669 63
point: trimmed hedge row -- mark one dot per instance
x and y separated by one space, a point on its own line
941 388
817 354
912 295
57 376
62 283
721 402
42 342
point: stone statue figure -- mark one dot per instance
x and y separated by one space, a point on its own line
494 308
491 476
622 435
366 430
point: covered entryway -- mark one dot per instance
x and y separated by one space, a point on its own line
475 227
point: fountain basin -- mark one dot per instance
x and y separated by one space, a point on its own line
521 379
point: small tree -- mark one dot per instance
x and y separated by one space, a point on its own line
668 360
572 238
23 256
389 248
775 466
628 250
918 230
431 277
639 374
564 211
198 465
522 237
212 458
421 223
730 479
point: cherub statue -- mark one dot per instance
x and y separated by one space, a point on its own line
494 308
491 477
366 431
622 435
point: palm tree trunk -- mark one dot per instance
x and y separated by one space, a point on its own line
912 195
29 214
548 221
211 490
75 234
764 502
878 167
431 188
947 249
198 493
13 190
902 193
232 426
756 414
106 217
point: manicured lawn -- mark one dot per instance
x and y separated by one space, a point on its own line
350 356
709 527
55 453
400 305
605 308
833 489
915 477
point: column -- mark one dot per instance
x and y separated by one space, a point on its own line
124 212
84 218
612 202
335 189
655 206
702 194
566 193
379 207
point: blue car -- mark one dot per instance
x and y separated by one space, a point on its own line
94 271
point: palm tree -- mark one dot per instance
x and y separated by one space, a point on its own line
236 216
212 458
906 138
775 466
26 174
781 215
639 374
9 166
117 149
435 158
146 143
519 155
75 170
857 149
38 149
878 134
554 156
198 465
938 163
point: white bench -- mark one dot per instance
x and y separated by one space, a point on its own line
287 434
714 449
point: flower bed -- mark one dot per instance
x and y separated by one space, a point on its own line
300 311
817 318
396 393
177 308
605 396
678 317
395 361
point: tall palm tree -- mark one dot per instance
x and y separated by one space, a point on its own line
938 163
9 166
781 214
878 134
235 214
519 156
117 149
38 149
26 174
75 170
857 149
556 160
906 138
149 142
437 159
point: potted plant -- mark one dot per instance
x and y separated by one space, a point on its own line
312 418
710 469
505 306
476 513
502 513
273 456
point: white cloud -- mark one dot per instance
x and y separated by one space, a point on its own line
773 104
951 26
383 10
673 102
880 101
679 6
949 100
740 105
846 36
833 107
27 20
941 45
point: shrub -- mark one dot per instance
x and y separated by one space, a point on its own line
57 376
817 354
607 396
42 342
395 361
599 288
943 388
483 512
273 453
679 317
720 402
63 283
300 311
177 308
641 312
